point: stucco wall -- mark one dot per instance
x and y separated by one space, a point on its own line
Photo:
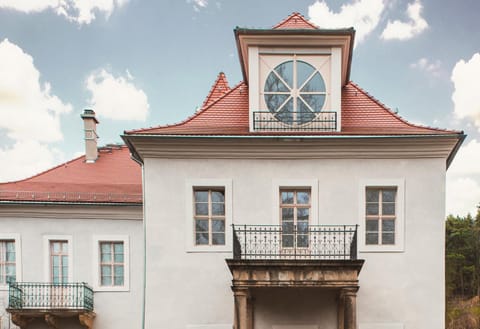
113 310
186 288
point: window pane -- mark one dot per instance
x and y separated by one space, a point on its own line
388 225
287 226
388 208
10 246
218 238
287 197
118 248
274 84
55 271
56 247
316 83
106 280
217 196
118 270
201 225
285 113
372 208
10 270
201 196
64 247
302 213
285 71
304 113
302 226
304 71
10 256
118 258
388 238
388 195
275 101
372 195
287 213
372 225
303 197
106 270
64 260
56 260
314 101
65 274
218 225
372 238
201 238
106 258
218 209
201 209
302 241
118 280
287 241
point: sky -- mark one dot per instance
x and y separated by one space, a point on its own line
142 63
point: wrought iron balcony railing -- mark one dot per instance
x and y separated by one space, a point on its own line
40 296
304 122
321 242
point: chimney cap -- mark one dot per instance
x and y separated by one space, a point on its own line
89 114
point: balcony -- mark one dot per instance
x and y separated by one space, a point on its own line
316 242
271 260
324 121
31 300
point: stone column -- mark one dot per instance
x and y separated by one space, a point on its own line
350 308
341 310
241 315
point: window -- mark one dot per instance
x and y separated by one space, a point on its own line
112 266
59 261
380 215
7 261
295 217
294 91
209 216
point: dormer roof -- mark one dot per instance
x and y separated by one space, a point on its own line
295 21
220 87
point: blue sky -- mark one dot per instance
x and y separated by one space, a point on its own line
141 63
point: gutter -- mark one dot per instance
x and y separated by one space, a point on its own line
53 203
455 149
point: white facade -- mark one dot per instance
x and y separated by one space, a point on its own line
82 227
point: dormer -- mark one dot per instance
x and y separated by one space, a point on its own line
295 73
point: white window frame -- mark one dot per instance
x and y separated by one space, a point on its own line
399 245
299 184
18 256
97 239
47 266
190 186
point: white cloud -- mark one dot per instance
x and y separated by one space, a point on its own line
363 15
79 11
199 4
466 96
431 67
117 97
28 109
30 115
406 30
463 180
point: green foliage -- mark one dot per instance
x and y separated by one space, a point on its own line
462 256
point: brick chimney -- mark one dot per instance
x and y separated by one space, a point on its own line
90 128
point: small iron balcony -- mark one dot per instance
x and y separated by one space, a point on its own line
49 296
317 242
323 121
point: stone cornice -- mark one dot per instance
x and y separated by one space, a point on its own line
56 211
285 147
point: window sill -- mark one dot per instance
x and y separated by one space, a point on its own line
111 289
380 248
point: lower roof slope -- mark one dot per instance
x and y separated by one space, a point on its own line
112 178
228 115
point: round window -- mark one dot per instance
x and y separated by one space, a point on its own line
294 92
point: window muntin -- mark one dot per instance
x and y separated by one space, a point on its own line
295 92
295 217
7 261
209 216
112 263
380 215
59 261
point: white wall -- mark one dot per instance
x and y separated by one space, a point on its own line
194 288
115 310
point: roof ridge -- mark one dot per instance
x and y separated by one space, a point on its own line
292 16
395 115
191 117
221 78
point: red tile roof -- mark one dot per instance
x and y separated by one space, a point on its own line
228 115
295 21
113 178
219 88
